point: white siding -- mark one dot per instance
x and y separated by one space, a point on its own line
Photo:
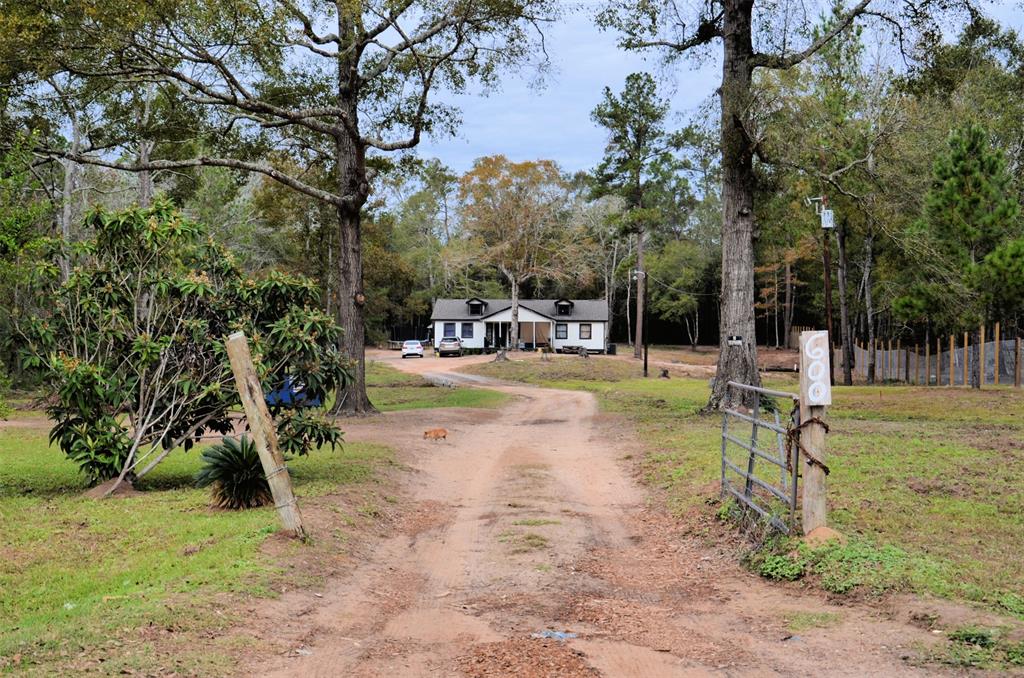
525 316
595 343
478 333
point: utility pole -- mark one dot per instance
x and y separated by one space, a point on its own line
827 224
646 317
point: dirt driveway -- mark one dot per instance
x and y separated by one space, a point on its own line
527 522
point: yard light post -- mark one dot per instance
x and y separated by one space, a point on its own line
637 275
820 205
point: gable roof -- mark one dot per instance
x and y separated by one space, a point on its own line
583 310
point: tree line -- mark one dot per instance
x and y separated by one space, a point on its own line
289 129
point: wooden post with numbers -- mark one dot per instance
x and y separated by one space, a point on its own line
264 436
815 396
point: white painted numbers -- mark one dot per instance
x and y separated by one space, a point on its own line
815 366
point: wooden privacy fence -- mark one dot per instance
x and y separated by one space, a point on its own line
945 361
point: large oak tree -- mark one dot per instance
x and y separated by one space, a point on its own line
753 35
295 90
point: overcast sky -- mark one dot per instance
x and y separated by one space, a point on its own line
553 122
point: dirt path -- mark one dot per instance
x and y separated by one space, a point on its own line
527 520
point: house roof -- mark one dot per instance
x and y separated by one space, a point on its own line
583 310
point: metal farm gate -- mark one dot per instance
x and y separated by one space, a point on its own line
760 469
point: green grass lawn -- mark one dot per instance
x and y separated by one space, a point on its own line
80 574
392 390
928 481
77 574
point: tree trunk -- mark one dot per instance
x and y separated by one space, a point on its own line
976 366
845 331
145 148
629 302
640 301
514 325
868 306
352 399
71 170
787 323
350 174
736 363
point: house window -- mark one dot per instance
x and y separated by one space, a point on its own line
467 330
561 331
564 309
449 329
584 330
476 309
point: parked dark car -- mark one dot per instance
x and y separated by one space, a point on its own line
450 346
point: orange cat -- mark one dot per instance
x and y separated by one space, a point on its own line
435 434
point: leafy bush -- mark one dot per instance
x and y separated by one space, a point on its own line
131 341
781 567
235 475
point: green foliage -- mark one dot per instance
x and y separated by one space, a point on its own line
971 222
235 474
973 635
131 343
780 567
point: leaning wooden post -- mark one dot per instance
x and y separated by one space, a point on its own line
815 395
264 436
998 351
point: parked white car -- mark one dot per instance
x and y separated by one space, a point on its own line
412 347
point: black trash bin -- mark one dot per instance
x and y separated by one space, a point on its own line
610 350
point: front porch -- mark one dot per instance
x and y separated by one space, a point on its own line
533 334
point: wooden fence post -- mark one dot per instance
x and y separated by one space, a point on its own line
998 351
815 395
917 373
981 354
952 363
1016 362
967 359
927 362
899 356
264 436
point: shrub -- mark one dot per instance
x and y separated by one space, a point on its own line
781 567
131 342
235 475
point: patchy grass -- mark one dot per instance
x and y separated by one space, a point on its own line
79 574
980 647
798 622
928 482
523 543
391 390
537 522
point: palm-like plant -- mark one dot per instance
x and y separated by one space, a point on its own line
235 475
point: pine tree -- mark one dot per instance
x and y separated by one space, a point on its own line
969 214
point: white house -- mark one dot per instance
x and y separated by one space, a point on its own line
558 323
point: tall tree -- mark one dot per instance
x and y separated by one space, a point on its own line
753 36
330 86
638 151
969 215
518 213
